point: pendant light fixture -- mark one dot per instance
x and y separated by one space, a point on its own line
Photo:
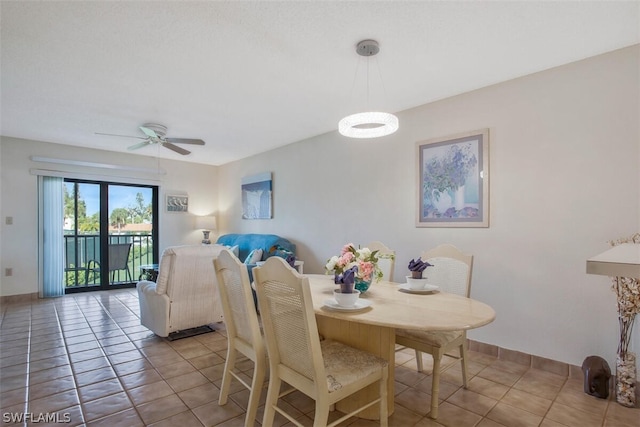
371 124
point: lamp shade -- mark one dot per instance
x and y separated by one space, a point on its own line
205 223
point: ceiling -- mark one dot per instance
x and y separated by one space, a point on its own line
250 76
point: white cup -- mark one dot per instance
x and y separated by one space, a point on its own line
346 300
416 284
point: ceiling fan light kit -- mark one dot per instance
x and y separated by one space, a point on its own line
155 134
372 124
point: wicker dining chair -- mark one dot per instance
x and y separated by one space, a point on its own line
451 271
243 330
327 371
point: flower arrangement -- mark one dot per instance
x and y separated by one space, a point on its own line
627 290
449 171
416 267
364 259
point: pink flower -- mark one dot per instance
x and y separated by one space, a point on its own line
365 270
347 248
345 259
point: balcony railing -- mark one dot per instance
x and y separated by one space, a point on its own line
83 251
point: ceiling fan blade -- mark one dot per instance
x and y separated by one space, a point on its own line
185 141
124 136
149 132
175 148
136 146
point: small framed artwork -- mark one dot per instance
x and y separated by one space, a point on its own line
257 196
453 181
177 203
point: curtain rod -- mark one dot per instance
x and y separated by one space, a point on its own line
96 165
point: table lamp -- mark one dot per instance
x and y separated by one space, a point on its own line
207 224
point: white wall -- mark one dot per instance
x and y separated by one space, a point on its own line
564 157
19 199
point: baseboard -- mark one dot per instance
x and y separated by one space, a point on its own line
537 362
18 298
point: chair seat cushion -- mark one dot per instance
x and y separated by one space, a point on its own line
435 339
345 365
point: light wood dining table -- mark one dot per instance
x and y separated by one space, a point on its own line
373 328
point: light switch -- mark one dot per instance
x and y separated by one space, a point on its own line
8 220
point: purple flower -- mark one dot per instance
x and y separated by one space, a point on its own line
418 265
347 279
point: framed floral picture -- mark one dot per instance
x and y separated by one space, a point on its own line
453 181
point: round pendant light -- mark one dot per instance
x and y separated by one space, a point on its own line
371 124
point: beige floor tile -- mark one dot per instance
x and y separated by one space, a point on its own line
126 418
209 359
105 406
530 403
499 376
187 381
149 392
578 399
454 416
573 417
511 416
186 419
540 383
54 402
99 390
131 367
140 378
124 357
198 396
472 401
175 369
90 365
404 417
621 416
487 387
94 376
49 374
414 400
52 387
160 409
13 397
446 389
486 422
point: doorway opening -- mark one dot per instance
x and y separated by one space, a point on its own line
110 234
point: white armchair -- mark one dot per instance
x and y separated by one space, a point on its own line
185 294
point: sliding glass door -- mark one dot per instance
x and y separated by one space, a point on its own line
109 232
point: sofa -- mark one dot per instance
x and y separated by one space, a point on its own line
245 246
247 243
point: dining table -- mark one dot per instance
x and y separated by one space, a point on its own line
383 308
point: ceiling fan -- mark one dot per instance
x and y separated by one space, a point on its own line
156 135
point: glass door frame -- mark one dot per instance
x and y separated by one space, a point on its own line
104 236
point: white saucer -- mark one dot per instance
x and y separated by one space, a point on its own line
404 287
359 305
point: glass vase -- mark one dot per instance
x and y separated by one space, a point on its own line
626 380
363 285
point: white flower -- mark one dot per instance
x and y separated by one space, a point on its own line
331 264
364 253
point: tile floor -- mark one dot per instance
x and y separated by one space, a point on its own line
86 359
